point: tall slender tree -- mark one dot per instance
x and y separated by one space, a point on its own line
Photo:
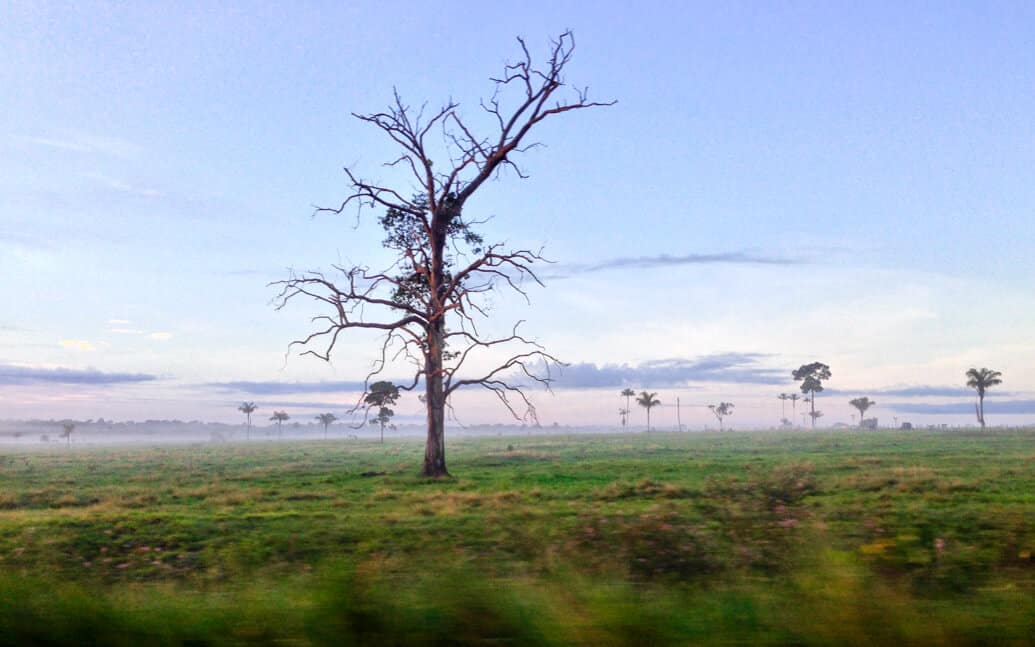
429 299
326 419
811 377
862 404
648 402
627 393
623 415
783 398
982 380
247 408
794 397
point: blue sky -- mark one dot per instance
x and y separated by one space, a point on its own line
778 183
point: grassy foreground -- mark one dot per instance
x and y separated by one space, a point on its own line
772 538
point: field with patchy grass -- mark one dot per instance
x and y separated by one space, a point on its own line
773 538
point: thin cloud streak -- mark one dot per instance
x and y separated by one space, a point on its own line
740 368
83 143
919 391
1004 407
284 388
664 260
25 375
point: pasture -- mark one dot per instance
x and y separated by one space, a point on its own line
816 538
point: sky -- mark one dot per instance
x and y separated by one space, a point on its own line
777 184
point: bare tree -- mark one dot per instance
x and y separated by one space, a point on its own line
248 408
429 301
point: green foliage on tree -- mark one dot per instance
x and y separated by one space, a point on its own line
862 404
247 408
648 401
981 380
811 377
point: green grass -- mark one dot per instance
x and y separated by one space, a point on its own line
804 538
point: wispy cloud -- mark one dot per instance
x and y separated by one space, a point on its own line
126 331
85 143
161 336
77 344
297 404
664 260
282 388
719 368
122 186
119 322
918 391
1017 407
22 375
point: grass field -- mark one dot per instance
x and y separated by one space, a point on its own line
773 538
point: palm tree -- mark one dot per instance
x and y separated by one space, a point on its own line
862 404
721 410
647 401
624 415
783 398
326 419
982 380
279 417
794 397
247 408
626 393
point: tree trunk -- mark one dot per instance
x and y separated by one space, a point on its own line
981 409
648 420
435 448
812 402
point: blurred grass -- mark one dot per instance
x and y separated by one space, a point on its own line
790 538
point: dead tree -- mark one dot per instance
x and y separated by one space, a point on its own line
428 301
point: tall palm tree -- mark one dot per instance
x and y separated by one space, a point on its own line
721 410
783 398
624 415
626 393
279 417
862 404
982 380
647 401
794 397
326 419
247 408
